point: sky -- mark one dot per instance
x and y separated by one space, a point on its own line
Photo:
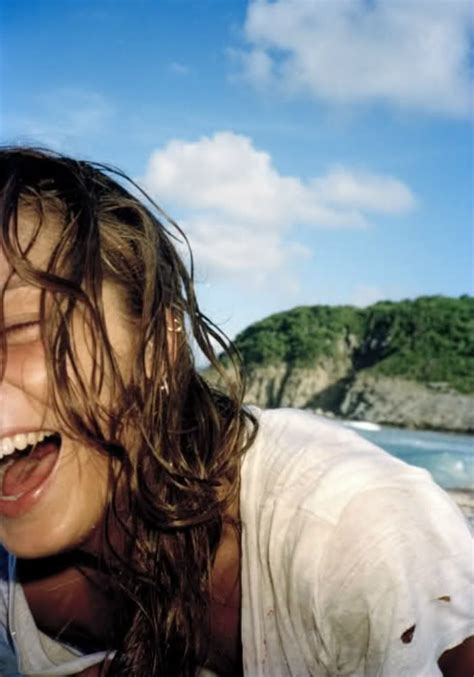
314 151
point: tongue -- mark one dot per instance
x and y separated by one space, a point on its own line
28 473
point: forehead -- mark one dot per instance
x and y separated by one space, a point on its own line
41 249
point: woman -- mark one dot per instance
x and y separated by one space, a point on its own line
151 524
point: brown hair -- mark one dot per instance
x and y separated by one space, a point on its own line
188 436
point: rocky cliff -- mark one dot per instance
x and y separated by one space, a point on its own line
409 363
362 397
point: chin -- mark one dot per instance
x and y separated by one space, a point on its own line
33 541
59 512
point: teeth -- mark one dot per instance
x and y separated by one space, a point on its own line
8 445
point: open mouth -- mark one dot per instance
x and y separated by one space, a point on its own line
25 470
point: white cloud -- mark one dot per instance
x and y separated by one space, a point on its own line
235 248
362 190
414 54
227 174
240 212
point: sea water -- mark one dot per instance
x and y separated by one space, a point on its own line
448 457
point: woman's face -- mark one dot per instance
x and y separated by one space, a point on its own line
49 501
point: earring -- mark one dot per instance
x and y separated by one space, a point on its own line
176 327
164 387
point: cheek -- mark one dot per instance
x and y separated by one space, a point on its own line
26 370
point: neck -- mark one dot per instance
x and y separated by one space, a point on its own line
71 599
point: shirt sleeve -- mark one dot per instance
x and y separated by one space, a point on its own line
397 581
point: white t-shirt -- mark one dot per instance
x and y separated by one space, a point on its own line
353 563
346 553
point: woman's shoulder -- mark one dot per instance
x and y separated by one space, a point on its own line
316 481
317 493
317 464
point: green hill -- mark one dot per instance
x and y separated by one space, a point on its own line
427 340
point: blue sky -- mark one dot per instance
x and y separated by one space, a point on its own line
314 151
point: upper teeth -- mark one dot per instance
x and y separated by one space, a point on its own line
8 445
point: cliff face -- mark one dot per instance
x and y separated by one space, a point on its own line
409 363
363 397
396 401
284 386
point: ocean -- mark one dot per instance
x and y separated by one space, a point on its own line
449 458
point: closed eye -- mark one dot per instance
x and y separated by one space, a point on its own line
23 332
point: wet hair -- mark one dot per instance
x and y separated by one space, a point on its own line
174 441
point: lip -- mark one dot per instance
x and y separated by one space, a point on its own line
28 500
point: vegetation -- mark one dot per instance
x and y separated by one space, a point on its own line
429 339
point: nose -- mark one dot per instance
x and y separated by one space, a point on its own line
12 410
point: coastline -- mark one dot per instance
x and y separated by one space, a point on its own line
361 424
